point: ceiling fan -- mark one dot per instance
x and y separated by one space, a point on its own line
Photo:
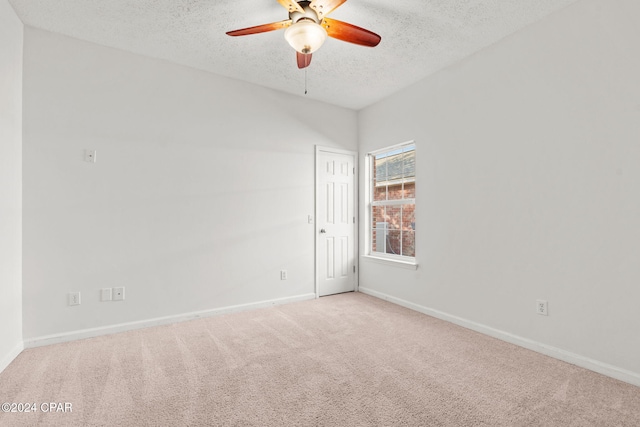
308 27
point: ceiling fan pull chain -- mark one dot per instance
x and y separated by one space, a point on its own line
305 81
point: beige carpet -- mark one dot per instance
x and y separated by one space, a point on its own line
345 360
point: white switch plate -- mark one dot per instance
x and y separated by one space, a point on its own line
105 294
118 294
283 274
90 156
73 298
310 219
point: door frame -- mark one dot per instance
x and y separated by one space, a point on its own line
356 210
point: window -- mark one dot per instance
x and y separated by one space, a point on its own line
392 202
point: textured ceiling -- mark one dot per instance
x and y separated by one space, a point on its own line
418 38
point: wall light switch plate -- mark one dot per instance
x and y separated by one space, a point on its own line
73 298
105 294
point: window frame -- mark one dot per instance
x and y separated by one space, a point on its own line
370 203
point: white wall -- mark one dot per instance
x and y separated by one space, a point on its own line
10 184
528 169
198 199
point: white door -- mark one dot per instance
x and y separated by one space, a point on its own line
335 222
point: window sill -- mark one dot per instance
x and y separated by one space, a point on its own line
410 265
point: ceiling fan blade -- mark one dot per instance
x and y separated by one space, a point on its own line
291 6
350 33
325 7
304 59
260 28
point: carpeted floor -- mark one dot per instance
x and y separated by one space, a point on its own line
345 360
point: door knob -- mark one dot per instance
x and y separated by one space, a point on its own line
322 230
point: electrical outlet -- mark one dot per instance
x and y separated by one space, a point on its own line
73 298
105 294
542 308
283 274
118 294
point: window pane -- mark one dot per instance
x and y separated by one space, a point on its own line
380 193
394 174
409 243
386 231
393 215
380 174
409 230
378 230
394 241
409 190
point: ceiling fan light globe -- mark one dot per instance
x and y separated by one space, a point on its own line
305 36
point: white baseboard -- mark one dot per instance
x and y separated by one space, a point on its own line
123 327
566 356
9 357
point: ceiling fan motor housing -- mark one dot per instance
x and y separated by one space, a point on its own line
309 14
